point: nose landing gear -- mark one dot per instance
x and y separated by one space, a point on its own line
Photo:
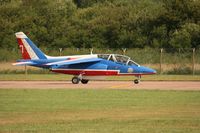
137 81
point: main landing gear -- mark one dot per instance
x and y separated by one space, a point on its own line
76 80
137 81
84 81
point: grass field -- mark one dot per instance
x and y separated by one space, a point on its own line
99 111
58 77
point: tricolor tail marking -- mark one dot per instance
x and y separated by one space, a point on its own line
28 49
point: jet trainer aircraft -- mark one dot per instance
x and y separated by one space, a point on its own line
83 67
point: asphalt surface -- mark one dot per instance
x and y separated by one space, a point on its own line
147 85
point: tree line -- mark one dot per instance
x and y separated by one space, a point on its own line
102 23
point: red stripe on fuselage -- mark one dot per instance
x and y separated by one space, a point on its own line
86 72
24 52
97 72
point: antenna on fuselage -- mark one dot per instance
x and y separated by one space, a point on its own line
91 50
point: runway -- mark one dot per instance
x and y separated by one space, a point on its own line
145 85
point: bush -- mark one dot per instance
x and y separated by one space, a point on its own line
180 70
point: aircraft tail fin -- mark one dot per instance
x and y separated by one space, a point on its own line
28 49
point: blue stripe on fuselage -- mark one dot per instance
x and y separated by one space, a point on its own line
89 65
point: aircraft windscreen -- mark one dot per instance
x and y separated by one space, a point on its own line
121 59
132 63
118 58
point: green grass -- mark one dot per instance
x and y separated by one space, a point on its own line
58 77
99 111
33 77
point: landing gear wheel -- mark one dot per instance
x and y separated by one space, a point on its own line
75 80
84 81
136 81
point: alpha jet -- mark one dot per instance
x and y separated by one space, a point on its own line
83 67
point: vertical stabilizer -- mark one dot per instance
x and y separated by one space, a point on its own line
28 49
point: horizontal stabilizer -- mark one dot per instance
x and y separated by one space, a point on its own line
23 63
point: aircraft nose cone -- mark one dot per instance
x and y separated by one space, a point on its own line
152 71
147 70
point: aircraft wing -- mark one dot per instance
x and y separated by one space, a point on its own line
75 61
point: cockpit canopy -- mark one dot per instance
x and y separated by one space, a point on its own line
122 59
